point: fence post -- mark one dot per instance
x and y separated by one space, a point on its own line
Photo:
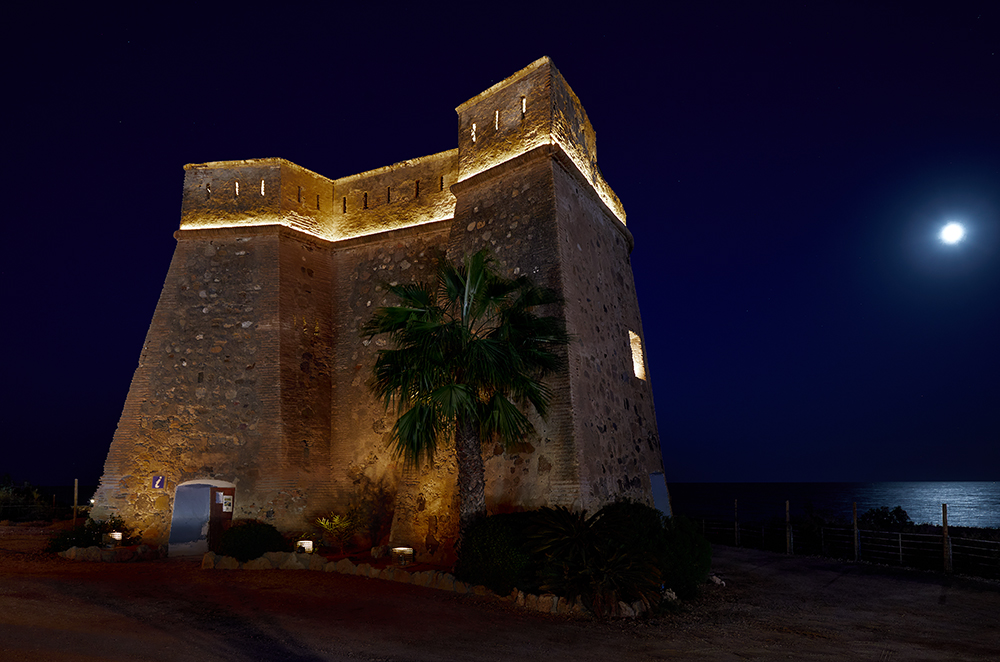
946 543
788 529
736 521
900 548
857 540
76 490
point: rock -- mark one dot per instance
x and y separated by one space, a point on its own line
519 598
92 554
715 579
365 570
388 574
208 561
424 578
625 610
379 551
227 563
69 554
531 602
564 606
345 566
461 587
276 558
547 603
258 564
670 596
480 590
293 562
639 607
316 562
444 581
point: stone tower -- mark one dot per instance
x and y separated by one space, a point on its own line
251 387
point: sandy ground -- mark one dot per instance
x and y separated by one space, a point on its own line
772 607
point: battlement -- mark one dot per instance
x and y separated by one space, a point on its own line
258 192
533 107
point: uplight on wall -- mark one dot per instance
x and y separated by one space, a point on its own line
402 556
304 546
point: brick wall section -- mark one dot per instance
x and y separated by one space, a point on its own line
614 422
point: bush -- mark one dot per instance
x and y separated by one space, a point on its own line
250 539
338 528
91 533
687 557
492 553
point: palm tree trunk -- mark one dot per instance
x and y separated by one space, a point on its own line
471 473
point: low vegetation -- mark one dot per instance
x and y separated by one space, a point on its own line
625 552
92 533
250 539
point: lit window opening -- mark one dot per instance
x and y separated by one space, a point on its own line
473 132
496 120
237 189
524 106
638 365
262 187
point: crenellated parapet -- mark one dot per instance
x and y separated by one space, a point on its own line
534 107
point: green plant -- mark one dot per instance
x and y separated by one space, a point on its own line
686 559
91 533
466 351
595 558
337 528
492 553
250 539
371 508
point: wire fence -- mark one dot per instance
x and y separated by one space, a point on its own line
927 551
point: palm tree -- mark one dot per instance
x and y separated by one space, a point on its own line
465 352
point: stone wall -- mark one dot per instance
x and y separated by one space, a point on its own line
253 372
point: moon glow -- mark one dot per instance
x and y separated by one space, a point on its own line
952 233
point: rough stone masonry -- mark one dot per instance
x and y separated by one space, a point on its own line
253 374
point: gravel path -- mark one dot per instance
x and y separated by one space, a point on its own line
772 607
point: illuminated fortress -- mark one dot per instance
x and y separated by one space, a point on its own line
250 397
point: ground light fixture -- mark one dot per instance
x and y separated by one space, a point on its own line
304 546
402 556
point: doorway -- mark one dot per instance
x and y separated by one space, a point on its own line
203 510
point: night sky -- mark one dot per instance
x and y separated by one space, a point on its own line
785 169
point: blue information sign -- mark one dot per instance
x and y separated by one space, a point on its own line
158 482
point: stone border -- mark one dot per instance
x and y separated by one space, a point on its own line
443 581
112 554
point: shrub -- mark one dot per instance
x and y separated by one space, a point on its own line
338 528
91 533
687 557
492 553
250 539
604 559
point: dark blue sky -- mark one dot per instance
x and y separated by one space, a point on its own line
785 168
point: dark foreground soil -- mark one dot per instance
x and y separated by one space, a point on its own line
772 607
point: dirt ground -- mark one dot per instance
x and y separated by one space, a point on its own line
772 607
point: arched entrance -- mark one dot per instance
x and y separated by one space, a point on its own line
203 509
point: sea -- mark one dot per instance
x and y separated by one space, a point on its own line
972 503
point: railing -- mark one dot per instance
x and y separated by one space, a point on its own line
927 551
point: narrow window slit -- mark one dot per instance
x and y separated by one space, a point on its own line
208 191
416 188
365 203
496 120
524 106
388 194
237 190
442 183
300 194
317 201
345 205
473 132
262 187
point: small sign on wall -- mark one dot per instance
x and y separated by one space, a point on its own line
227 503
158 482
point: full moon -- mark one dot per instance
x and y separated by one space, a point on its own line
952 233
